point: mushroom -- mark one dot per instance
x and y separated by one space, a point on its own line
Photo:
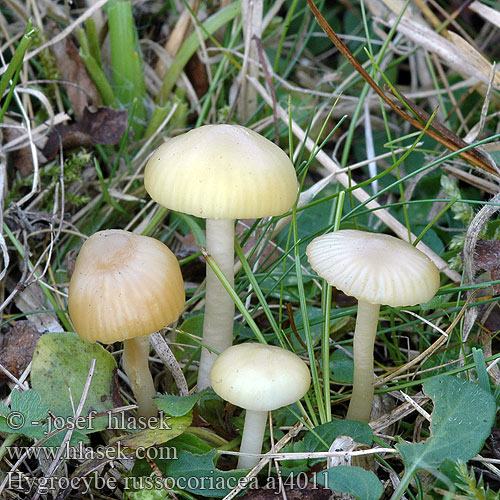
220 173
376 269
125 287
258 378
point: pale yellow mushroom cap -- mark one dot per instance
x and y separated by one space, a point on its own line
259 377
376 268
123 286
222 172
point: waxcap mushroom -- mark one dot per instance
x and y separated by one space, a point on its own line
124 285
222 172
377 268
259 377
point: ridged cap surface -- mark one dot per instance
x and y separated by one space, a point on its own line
123 286
222 172
377 268
259 377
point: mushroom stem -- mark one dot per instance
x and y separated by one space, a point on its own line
253 438
136 366
360 407
219 306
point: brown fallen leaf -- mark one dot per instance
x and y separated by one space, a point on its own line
197 74
487 258
21 158
104 126
17 348
81 91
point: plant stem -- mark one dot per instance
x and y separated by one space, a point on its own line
253 437
360 407
128 73
219 306
136 366
9 440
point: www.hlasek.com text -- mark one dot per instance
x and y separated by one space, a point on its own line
101 452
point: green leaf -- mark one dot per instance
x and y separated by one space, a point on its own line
149 494
127 67
482 373
291 468
197 474
25 416
176 406
461 421
360 483
190 442
60 368
321 437
342 366
496 156
315 317
164 431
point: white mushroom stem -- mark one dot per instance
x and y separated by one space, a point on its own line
136 366
360 407
253 438
219 306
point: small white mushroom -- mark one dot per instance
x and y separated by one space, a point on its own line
376 269
259 378
221 173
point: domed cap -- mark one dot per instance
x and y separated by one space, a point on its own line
376 268
124 285
259 377
222 172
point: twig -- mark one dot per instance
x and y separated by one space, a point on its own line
163 350
429 351
450 140
14 379
313 454
266 458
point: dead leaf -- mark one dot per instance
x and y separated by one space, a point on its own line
487 258
495 441
22 158
32 299
491 15
197 74
473 56
104 126
18 346
83 93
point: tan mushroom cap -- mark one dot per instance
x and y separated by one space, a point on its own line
376 268
259 377
222 172
123 286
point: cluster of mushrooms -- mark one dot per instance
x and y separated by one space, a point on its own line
126 286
